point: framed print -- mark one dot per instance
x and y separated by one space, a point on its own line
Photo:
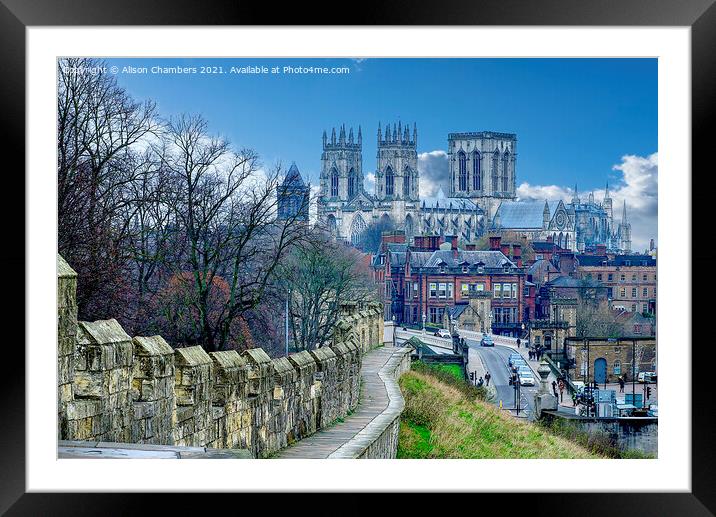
221 269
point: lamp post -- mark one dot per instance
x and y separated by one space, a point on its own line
424 318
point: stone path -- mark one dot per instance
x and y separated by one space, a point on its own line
352 433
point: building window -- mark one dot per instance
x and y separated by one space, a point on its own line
406 183
334 183
495 172
644 308
644 277
415 289
617 367
351 183
479 287
498 289
433 289
599 276
622 278
637 329
389 182
633 292
442 288
610 277
506 291
450 287
464 269
476 171
633 277
622 292
464 289
433 315
462 171
644 292
633 307
514 290
505 171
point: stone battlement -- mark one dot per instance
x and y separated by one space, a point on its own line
117 388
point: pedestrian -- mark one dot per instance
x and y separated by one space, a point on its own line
480 383
529 353
518 342
561 390
487 378
554 388
621 384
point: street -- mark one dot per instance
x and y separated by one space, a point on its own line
495 360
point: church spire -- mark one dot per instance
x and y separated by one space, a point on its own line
333 136
325 138
380 133
360 136
624 215
606 192
415 133
575 198
350 136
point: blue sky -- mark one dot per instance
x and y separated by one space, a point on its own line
575 119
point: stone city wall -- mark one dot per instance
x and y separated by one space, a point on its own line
115 388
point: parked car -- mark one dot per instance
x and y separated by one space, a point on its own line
646 377
443 333
526 379
487 341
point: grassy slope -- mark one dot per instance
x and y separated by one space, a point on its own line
442 421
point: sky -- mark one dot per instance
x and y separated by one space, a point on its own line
578 121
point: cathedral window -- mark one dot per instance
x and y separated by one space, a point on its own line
351 183
505 171
476 171
389 182
495 171
406 183
334 183
462 169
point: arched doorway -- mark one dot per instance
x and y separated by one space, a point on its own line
600 370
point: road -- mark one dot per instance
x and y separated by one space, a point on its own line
495 360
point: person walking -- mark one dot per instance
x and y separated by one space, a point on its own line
480 383
561 390
554 389
529 353
621 384
487 378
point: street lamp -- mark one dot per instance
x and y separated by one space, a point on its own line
424 318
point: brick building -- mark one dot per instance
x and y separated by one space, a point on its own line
421 282
603 360
630 279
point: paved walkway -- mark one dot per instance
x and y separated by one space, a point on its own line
374 400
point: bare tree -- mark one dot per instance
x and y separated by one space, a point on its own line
229 241
321 274
99 129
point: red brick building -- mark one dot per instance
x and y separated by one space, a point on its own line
419 282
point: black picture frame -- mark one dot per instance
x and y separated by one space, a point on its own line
700 15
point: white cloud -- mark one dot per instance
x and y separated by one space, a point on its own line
369 182
637 185
434 173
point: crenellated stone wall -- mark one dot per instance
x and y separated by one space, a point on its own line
115 388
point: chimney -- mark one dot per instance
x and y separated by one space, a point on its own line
470 246
601 249
453 241
495 242
505 249
517 254
549 239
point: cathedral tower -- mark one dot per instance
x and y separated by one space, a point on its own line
482 167
341 165
396 175
625 232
